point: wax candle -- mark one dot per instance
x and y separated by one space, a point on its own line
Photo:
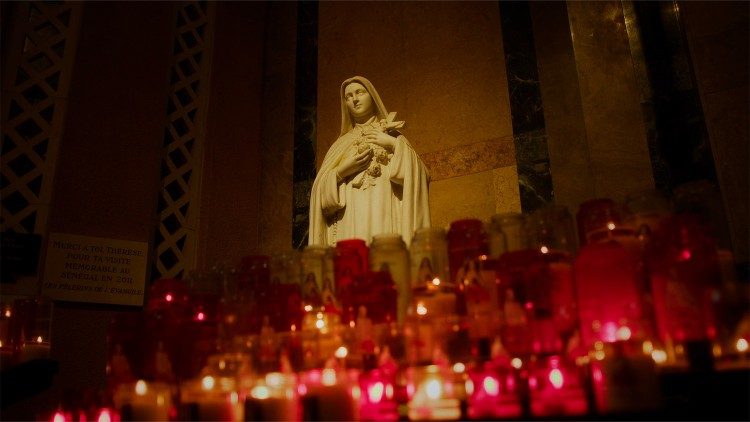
388 253
317 264
329 394
273 398
432 395
213 398
556 389
143 401
34 349
492 393
624 381
378 402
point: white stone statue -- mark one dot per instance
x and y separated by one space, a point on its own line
371 180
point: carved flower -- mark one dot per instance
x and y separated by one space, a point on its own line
381 156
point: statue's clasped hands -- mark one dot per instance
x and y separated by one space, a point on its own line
381 138
353 164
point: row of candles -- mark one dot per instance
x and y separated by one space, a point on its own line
518 317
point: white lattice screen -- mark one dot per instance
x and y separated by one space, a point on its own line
175 241
40 48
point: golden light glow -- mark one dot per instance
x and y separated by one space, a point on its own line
741 345
459 368
389 391
59 417
141 388
556 378
234 398
491 386
516 363
351 324
436 281
611 225
104 416
293 327
208 382
329 377
598 345
222 364
356 393
39 339
1 343
482 257
168 297
341 352
319 323
599 355
623 333
308 308
160 400
421 310
260 392
274 379
659 356
648 347
8 313
469 385
434 389
375 392
544 249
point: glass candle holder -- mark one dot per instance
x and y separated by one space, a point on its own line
388 253
378 401
467 240
685 279
493 393
144 401
34 328
329 394
556 389
317 265
273 398
7 342
506 233
351 259
429 256
431 394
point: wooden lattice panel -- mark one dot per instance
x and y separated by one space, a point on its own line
175 242
37 63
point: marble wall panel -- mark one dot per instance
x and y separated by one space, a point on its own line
615 129
565 127
229 218
717 35
277 140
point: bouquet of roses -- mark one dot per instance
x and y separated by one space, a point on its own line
381 156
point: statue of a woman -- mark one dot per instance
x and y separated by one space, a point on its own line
371 181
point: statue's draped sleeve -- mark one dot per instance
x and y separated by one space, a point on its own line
327 195
408 170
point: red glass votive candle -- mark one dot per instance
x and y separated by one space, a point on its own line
555 389
493 393
329 394
467 240
375 291
609 293
351 258
378 401
685 281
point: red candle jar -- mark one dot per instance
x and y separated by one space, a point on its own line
685 279
608 281
467 240
556 389
493 393
254 270
530 296
595 217
351 259
375 291
378 400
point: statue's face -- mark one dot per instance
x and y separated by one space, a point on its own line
358 100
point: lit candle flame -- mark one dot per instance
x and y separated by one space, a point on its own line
104 416
611 225
742 345
7 313
58 417
201 316
341 352
208 382
459 368
141 388
623 333
436 281
329 377
556 378
544 249
659 356
434 389
274 379
168 297
375 392
516 363
319 323
421 310
491 386
308 308
39 339
260 392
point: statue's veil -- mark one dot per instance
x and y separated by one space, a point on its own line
346 119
